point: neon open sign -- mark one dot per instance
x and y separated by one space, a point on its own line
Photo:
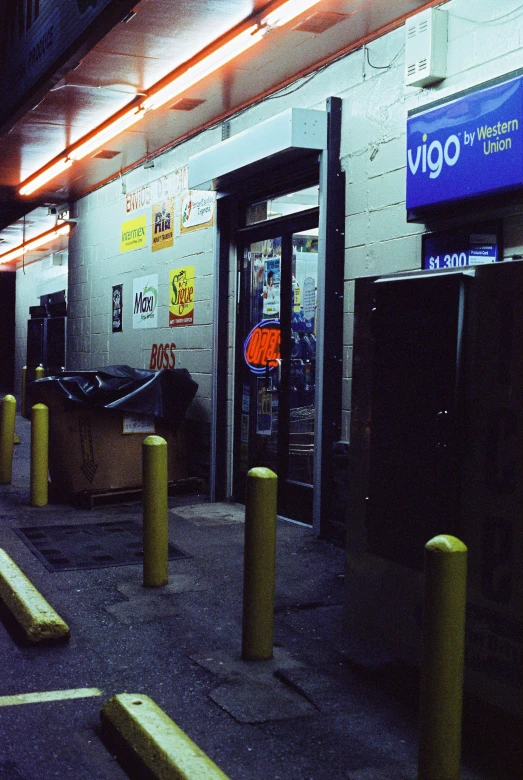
262 346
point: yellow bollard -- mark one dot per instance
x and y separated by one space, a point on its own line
23 410
39 455
259 565
39 372
442 659
155 512
7 437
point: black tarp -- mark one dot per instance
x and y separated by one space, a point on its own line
165 394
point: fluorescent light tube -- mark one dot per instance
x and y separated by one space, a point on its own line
43 238
46 175
288 11
205 67
115 128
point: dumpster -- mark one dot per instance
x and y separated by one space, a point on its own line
98 420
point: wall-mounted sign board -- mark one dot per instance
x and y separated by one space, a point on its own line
468 246
468 146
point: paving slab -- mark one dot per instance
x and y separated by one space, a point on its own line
254 701
209 515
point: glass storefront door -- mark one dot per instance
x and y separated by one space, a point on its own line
276 350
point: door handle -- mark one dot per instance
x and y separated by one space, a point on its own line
267 377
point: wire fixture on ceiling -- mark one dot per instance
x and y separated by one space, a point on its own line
193 71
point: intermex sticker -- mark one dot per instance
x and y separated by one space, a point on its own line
145 302
181 296
197 210
133 234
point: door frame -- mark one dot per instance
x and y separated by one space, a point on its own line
313 168
284 227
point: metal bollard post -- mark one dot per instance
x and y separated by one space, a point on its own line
155 512
39 372
7 437
259 565
23 409
442 660
39 455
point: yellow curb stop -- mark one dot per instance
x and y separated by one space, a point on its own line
167 752
34 614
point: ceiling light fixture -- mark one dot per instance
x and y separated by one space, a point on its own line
46 175
35 243
287 12
205 66
106 133
167 90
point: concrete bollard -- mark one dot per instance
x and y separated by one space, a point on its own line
23 409
39 455
443 651
155 512
259 565
7 437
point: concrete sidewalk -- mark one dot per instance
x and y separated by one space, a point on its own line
324 707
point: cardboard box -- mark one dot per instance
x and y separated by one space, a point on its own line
89 450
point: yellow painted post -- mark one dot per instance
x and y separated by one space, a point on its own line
155 512
39 455
259 570
23 410
442 659
39 372
7 437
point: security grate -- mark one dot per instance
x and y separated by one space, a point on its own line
88 545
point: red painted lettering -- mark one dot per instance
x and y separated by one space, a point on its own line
173 358
154 350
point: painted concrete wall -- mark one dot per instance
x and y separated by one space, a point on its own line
485 41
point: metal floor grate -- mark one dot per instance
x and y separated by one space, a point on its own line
89 545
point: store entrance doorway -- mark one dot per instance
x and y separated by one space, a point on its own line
276 353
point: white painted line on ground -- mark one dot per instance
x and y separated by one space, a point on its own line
37 698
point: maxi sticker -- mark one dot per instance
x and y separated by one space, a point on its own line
181 296
145 302
133 234
468 146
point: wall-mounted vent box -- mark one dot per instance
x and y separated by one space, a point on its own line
426 48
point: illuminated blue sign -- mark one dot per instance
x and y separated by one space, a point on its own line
468 146
463 247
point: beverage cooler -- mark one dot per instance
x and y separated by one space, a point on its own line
436 447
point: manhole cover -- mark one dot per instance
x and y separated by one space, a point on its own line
89 545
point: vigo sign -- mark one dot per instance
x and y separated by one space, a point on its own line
468 146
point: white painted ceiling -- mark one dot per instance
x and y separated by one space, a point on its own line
126 63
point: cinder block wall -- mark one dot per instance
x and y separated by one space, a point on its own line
485 41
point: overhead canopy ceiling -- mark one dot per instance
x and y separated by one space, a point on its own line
125 65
